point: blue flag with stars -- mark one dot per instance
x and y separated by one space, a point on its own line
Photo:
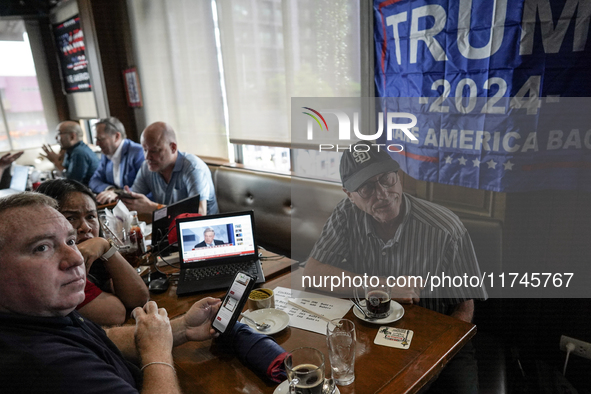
500 108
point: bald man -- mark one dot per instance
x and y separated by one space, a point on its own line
79 161
170 175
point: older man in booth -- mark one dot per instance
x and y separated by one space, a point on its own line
380 231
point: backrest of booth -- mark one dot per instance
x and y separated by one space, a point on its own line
269 195
291 211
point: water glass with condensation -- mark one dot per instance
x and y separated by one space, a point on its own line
341 340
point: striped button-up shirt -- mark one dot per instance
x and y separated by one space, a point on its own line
430 241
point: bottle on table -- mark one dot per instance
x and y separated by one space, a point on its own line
136 240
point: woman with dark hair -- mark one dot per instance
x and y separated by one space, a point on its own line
125 289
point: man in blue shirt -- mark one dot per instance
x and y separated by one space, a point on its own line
170 175
121 161
79 162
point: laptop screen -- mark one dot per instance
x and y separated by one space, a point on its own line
20 176
216 237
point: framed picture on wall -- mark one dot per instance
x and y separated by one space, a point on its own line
132 87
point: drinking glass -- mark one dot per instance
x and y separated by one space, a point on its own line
305 370
341 340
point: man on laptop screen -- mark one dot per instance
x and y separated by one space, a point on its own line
222 237
209 240
206 267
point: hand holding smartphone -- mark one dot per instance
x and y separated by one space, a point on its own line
123 194
233 302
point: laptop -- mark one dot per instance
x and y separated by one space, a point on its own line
18 183
161 219
232 248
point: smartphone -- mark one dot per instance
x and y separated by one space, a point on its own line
233 302
123 194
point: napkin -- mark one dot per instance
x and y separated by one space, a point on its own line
257 351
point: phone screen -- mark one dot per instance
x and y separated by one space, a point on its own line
233 302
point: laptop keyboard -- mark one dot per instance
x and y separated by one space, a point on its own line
195 274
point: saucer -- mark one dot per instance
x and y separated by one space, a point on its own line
396 313
276 318
283 388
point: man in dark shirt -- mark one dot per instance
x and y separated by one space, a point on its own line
78 162
45 345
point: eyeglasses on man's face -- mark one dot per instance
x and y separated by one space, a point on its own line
387 181
101 139
59 134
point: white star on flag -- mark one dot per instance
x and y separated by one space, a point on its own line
448 160
476 162
462 161
491 163
508 165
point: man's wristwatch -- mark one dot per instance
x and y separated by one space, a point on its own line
109 253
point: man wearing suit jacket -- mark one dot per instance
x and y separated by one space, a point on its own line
208 242
121 161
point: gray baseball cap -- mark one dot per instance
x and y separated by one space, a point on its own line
357 167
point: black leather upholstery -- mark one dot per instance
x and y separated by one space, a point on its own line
269 195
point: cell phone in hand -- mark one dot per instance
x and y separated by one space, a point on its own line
233 302
123 194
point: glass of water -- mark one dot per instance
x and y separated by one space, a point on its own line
341 340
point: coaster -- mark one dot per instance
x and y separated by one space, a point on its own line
394 337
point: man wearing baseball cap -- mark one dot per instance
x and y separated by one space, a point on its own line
380 231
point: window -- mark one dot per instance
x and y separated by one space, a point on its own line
318 165
22 118
303 49
175 46
266 157
254 56
317 55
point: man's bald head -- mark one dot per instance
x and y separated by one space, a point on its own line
70 126
158 130
160 148
69 133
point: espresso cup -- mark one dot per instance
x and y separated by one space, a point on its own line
261 299
377 301
305 370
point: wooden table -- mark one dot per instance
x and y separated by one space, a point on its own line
273 267
204 368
